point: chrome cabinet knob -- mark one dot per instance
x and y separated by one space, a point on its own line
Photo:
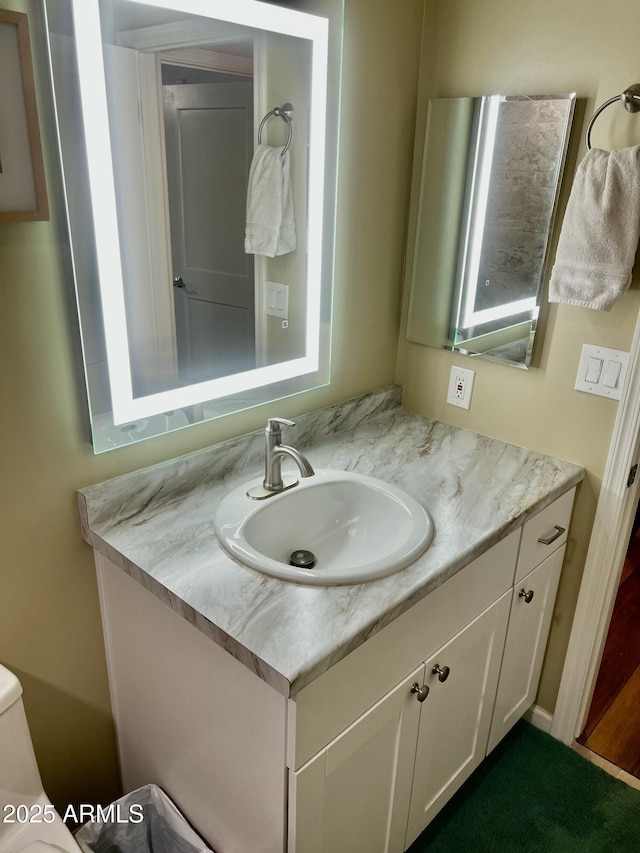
421 692
526 595
442 674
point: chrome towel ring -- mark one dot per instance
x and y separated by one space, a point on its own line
630 99
286 114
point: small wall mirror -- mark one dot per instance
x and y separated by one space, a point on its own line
491 174
160 109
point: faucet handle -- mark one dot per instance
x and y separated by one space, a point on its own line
273 425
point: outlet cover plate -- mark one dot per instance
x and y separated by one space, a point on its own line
460 387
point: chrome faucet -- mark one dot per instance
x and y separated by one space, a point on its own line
274 481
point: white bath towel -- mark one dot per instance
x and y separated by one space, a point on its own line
270 228
599 235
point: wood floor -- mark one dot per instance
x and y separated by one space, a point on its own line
613 725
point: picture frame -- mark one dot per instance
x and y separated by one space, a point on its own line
23 192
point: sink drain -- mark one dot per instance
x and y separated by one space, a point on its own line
302 559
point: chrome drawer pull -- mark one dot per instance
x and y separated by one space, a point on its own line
558 533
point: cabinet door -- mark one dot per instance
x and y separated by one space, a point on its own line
529 624
353 797
456 715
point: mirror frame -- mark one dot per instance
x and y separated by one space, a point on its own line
462 262
257 15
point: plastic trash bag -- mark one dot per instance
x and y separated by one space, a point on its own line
144 821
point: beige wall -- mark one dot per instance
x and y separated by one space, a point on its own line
49 618
517 47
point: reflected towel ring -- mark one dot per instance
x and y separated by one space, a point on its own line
630 99
286 114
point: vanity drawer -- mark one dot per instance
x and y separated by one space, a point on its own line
339 696
546 526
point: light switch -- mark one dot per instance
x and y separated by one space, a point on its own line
612 374
276 300
594 369
601 371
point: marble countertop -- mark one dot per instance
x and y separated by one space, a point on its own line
157 525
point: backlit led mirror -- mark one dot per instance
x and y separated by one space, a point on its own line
162 107
488 191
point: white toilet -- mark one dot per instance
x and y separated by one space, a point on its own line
28 822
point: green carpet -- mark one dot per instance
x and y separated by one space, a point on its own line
534 795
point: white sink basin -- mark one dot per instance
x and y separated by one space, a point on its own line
358 528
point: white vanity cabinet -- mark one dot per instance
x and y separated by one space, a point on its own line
354 794
379 783
532 601
364 756
381 780
533 596
454 725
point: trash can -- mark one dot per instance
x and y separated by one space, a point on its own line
144 821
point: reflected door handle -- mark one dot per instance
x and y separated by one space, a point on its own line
178 282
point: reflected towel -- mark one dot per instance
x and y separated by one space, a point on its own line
270 228
599 235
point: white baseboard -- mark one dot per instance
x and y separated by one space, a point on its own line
539 718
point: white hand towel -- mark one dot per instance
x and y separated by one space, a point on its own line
599 235
270 228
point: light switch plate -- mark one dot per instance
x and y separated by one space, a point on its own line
607 381
276 299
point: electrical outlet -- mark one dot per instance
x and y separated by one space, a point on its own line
460 387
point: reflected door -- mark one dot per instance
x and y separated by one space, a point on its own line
209 146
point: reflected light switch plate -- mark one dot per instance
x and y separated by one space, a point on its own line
601 371
276 299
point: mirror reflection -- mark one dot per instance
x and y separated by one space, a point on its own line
207 113
195 315
491 173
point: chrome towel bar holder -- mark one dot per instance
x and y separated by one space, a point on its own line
630 99
286 114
